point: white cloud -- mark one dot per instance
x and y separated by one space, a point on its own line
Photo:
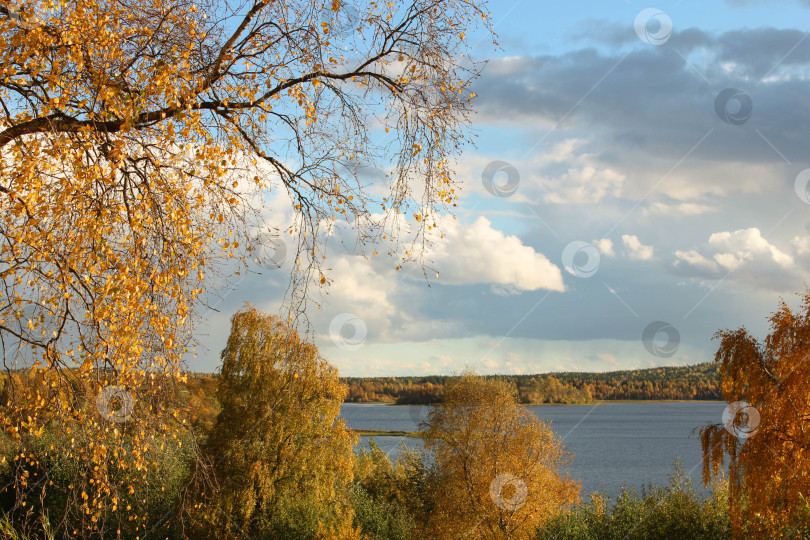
478 253
490 363
605 247
744 245
678 209
568 175
583 184
746 256
390 302
802 244
693 258
635 249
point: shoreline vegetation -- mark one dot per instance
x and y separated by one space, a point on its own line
387 433
698 382
584 403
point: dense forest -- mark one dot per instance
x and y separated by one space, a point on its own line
696 382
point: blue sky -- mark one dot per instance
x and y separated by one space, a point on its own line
636 204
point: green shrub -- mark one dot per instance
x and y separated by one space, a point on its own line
293 518
380 519
674 511
391 500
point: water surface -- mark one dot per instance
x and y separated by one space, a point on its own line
613 443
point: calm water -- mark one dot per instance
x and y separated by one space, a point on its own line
613 444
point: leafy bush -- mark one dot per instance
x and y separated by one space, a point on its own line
674 511
380 519
391 500
294 517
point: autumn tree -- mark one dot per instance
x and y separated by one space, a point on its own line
135 137
765 434
282 459
498 468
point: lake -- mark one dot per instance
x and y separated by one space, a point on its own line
613 443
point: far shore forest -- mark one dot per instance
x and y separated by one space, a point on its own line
699 382
696 382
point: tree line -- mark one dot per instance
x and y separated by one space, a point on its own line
695 382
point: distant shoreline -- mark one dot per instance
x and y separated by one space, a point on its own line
386 433
595 402
698 382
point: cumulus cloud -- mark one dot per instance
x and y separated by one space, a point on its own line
605 247
582 184
745 244
569 174
565 174
694 259
744 254
635 249
802 245
394 305
479 253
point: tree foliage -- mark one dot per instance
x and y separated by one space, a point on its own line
766 437
498 468
282 460
135 137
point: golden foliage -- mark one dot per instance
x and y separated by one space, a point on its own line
766 439
278 438
498 466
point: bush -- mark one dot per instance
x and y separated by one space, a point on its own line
391 500
294 517
380 519
675 511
